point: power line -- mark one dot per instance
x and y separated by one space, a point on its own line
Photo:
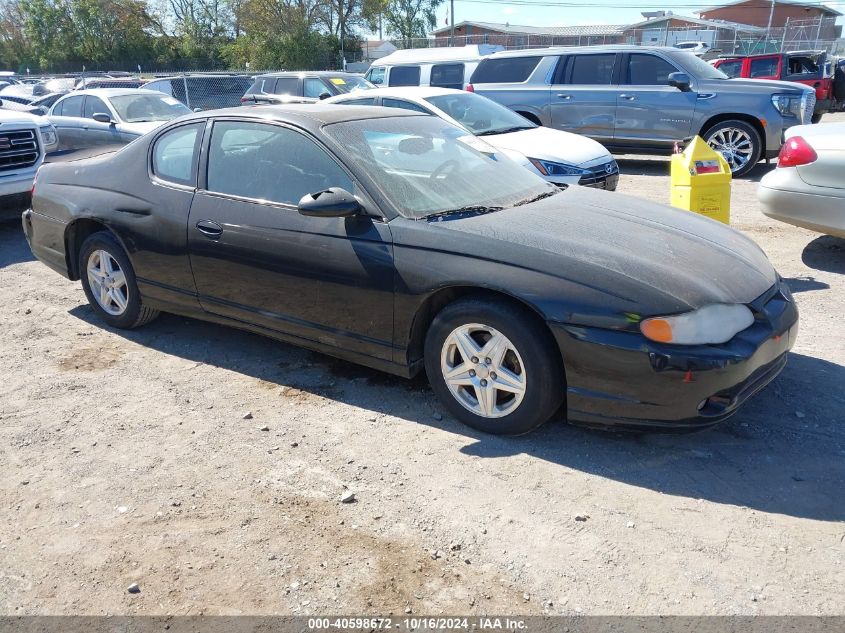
616 5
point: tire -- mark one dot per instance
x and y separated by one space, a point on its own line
733 134
817 117
530 362
118 303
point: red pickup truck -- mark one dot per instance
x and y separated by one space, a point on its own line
811 68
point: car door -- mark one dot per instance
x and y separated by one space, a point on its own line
650 112
95 133
66 117
256 259
583 95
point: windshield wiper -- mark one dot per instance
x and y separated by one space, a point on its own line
506 130
465 211
545 194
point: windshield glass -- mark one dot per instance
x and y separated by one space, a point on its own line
699 68
480 115
425 166
140 108
350 84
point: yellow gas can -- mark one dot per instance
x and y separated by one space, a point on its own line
701 181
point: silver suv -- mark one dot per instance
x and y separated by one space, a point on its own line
636 99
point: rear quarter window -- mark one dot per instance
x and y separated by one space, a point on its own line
505 70
404 76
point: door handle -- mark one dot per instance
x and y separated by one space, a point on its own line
628 97
209 228
564 96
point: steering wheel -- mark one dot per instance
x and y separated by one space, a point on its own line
445 170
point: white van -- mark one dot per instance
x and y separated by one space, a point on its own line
443 67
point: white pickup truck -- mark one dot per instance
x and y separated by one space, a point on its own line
25 140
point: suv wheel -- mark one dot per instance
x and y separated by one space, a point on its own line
739 143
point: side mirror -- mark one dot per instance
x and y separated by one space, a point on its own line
681 81
324 95
40 110
102 117
334 202
197 109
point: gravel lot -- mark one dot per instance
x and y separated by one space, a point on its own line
126 458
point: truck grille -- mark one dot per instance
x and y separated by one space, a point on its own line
604 176
18 149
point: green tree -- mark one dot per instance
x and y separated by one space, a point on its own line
408 19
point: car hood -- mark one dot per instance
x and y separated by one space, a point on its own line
645 257
760 86
548 144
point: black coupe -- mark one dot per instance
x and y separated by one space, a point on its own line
399 241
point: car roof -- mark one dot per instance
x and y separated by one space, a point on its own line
310 115
312 73
408 92
568 50
113 92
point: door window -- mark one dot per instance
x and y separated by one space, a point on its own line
648 70
591 70
286 86
72 106
732 68
404 76
447 76
376 76
94 105
764 67
405 105
267 162
175 154
314 87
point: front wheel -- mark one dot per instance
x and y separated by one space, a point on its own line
738 142
494 366
817 117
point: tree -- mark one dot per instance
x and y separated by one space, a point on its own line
409 19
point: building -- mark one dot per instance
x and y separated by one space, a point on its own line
376 49
515 36
817 19
669 29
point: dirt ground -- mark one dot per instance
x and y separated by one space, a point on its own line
126 458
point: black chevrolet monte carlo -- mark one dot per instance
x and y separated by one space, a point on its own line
398 241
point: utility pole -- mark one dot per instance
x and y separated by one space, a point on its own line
769 27
452 22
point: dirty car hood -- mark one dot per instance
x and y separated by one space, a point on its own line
658 258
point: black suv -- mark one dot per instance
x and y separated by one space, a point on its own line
304 87
203 92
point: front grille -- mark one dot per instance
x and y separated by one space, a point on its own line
18 149
604 176
808 111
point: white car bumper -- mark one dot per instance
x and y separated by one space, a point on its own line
786 197
16 183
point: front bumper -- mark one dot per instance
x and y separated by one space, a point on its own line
622 379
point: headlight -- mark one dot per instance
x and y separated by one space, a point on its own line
710 325
548 168
788 105
49 136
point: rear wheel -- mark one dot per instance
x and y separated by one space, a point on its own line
738 142
494 366
108 280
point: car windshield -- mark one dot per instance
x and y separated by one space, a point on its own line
349 84
425 166
699 68
139 108
480 115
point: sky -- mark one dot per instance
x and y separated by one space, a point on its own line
623 11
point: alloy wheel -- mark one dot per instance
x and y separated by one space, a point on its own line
734 144
483 370
108 283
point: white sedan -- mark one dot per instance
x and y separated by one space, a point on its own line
110 116
560 157
808 189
